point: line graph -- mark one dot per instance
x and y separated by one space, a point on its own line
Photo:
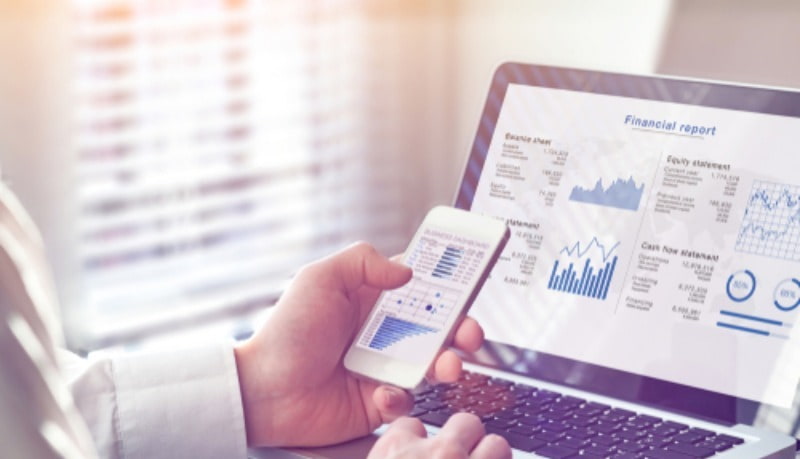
622 194
771 222
594 279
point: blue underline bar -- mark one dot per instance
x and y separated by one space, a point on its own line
748 317
744 329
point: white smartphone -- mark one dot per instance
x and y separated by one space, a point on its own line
451 255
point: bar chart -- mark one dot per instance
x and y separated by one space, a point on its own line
586 271
393 330
448 262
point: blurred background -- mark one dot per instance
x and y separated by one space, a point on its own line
183 158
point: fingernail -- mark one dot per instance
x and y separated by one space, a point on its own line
392 396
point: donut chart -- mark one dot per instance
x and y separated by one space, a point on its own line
787 294
741 285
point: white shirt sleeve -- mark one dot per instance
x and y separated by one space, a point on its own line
179 403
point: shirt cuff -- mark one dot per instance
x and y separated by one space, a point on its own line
180 403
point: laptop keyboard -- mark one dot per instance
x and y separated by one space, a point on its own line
561 426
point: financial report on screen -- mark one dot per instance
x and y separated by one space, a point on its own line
652 237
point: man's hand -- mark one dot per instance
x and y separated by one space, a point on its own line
461 437
295 389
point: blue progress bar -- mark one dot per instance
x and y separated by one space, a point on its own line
393 330
757 319
744 329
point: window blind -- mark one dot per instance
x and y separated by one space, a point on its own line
219 145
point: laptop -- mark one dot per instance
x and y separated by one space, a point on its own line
645 304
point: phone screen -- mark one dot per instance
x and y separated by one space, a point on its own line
411 322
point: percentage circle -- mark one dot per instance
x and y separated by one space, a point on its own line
787 294
741 285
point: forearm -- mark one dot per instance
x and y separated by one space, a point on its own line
181 403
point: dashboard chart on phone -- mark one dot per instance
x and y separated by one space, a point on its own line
407 321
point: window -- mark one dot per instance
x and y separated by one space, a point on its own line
219 145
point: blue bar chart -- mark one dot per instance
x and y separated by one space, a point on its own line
586 272
393 330
447 263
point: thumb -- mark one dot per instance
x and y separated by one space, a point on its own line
360 265
392 402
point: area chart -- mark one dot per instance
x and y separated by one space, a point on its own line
622 194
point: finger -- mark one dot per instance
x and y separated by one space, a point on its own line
469 335
360 264
392 402
465 429
492 447
407 426
446 368
400 435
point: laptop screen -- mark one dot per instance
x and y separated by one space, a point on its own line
656 235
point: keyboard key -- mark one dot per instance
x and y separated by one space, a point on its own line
549 437
556 415
524 430
632 447
691 450
676 425
599 450
416 412
716 446
703 432
501 423
607 428
606 440
583 433
588 411
508 415
664 431
730 439
611 418
650 419
532 420
664 454
534 408
689 437
655 441
568 402
630 434
500 382
556 427
621 412
523 442
627 455
639 421
574 443
579 421
556 452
